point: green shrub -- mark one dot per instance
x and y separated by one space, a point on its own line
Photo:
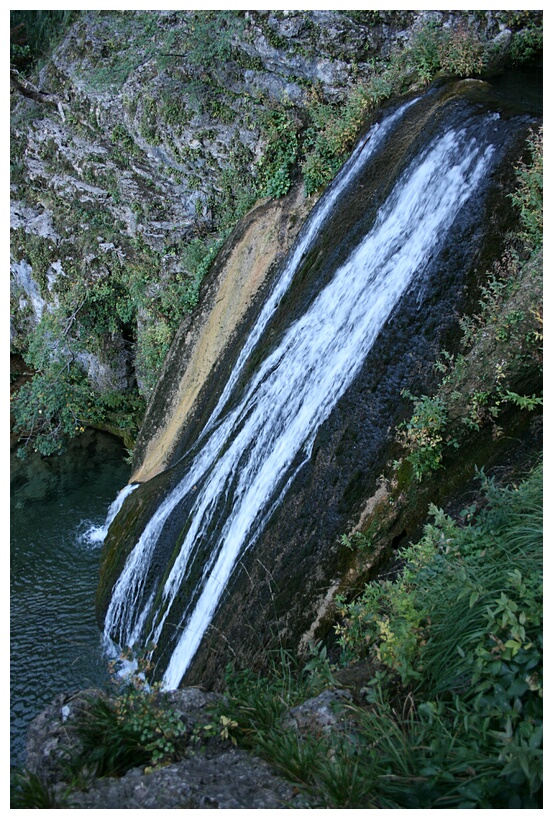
462 626
526 43
135 727
279 159
528 197
458 50
461 51
334 129
423 434
56 403
424 51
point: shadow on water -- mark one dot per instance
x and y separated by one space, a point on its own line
55 505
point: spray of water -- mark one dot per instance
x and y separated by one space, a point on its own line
95 534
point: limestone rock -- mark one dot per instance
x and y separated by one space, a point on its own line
320 714
231 780
219 777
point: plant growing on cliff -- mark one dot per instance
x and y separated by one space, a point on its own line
457 50
279 159
462 626
334 129
528 197
423 434
135 727
34 34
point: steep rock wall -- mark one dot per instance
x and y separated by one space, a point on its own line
146 137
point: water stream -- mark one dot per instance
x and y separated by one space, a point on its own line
263 427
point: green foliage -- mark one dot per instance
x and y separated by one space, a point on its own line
425 53
334 130
528 197
59 403
423 434
279 159
318 671
131 38
135 727
257 703
109 746
55 403
124 145
492 318
462 52
527 43
34 34
458 50
463 625
27 790
166 305
527 402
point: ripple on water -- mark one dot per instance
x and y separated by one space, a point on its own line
56 645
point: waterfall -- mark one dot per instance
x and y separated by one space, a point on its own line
95 535
262 432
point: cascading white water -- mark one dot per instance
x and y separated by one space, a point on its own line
128 589
95 535
251 454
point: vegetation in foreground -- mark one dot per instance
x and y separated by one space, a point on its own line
451 712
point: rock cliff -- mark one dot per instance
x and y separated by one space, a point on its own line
139 145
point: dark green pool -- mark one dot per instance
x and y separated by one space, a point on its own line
55 641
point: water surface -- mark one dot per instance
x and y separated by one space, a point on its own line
55 640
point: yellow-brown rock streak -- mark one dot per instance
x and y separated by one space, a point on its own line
264 236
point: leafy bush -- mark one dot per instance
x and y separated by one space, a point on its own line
527 43
135 727
461 51
458 50
55 403
528 198
281 153
424 52
334 129
423 434
463 626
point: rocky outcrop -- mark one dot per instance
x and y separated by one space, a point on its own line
214 775
231 780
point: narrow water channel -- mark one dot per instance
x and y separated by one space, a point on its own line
56 503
